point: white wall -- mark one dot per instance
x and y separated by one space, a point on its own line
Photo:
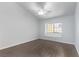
19 26
77 27
68 35
16 25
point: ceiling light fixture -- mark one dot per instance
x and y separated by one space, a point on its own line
41 12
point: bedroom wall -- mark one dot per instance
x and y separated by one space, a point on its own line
68 35
16 25
77 27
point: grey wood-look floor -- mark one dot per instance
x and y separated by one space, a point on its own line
40 48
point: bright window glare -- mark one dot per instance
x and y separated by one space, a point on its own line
54 28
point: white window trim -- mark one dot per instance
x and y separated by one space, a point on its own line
53 34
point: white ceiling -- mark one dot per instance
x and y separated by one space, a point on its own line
56 8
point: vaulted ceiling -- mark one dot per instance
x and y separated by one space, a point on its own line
50 9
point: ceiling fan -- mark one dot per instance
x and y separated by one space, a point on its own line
40 8
44 8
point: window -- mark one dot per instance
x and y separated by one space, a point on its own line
53 28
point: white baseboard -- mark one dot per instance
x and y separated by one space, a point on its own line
57 40
8 46
77 48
